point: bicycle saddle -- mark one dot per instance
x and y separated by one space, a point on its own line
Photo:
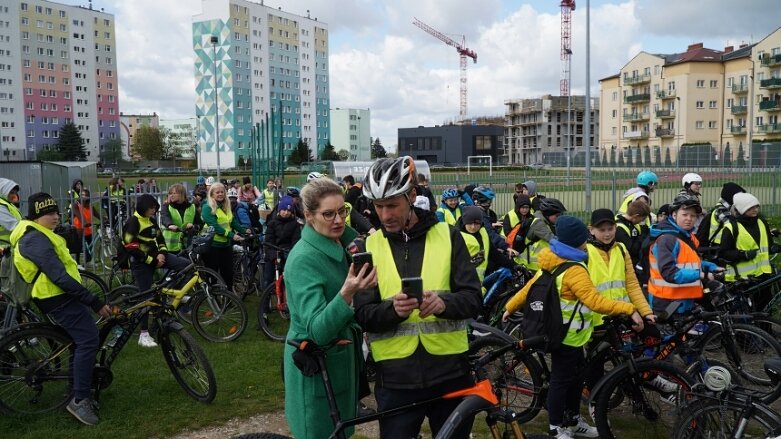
773 369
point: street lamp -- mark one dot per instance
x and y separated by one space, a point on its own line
198 149
216 106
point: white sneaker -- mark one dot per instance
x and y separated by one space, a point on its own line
671 399
583 429
663 385
146 341
561 433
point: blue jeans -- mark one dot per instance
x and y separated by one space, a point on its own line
144 275
78 322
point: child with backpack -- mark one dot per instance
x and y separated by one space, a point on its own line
567 322
484 256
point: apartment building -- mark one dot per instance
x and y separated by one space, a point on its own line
548 129
263 63
183 135
57 65
351 131
130 124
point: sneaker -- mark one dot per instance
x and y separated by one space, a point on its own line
671 399
84 411
146 341
560 432
364 410
582 429
663 385
698 329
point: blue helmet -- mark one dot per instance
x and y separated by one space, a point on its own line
293 191
647 178
484 192
449 193
200 180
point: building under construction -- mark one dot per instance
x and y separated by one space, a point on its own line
542 130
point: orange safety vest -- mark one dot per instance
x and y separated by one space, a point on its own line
687 259
79 213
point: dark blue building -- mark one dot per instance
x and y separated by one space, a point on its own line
451 144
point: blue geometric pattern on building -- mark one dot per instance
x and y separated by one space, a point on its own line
205 57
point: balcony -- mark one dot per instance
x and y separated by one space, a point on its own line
665 132
636 116
665 114
740 88
770 105
737 130
739 109
770 128
770 83
771 60
641 134
635 99
669 94
634 80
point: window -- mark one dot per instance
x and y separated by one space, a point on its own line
699 125
700 83
712 104
714 83
700 104
712 124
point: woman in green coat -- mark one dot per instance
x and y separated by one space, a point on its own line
321 282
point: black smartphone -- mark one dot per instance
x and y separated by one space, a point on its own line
359 259
413 287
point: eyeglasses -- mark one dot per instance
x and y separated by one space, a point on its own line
330 215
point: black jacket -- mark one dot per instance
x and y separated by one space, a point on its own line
728 249
633 241
165 214
282 232
421 369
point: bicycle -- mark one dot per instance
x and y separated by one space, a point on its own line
248 266
35 358
500 287
722 410
273 314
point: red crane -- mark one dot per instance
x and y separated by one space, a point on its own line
463 53
567 6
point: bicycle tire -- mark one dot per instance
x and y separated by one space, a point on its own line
94 283
517 377
218 315
273 321
659 419
209 278
108 249
714 418
120 276
753 346
32 380
188 363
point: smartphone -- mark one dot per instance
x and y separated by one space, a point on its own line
413 287
359 259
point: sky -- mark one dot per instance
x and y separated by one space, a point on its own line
406 77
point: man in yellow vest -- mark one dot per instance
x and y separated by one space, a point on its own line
420 346
43 260
9 211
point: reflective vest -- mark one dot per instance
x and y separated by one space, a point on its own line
530 257
715 228
478 250
268 198
609 279
687 259
224 219
579 331
347 221
744 242
438 336
5 234
450 218
147 236
512 216
625 205
173 239
82 213
116 194
43 287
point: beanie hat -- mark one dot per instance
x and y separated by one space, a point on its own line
146 202
744 201
471 214
571 231
664 210
40 204
285 203
522 200
245 180
728 191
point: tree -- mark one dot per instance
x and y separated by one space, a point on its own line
70 145
604 158
612 157
111 153
629 159
621 163
343 155
148 143
741 159
50 155
647 156
378 151
667 160
596 160
300 155
727 156
171 142
657 157
329 153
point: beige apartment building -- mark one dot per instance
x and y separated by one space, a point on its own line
659 106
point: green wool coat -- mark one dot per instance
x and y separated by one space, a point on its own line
314 273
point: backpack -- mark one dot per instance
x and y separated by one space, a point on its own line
12 284
542 311
516 239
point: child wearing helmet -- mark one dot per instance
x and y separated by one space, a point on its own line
646 184
483 196
450 208
691 185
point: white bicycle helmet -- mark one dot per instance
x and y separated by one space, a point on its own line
209 181
690 178
387 178
313 175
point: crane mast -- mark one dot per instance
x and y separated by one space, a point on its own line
567 6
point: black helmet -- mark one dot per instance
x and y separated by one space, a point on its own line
293 191
686 200
551 206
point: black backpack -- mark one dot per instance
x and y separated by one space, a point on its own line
542 311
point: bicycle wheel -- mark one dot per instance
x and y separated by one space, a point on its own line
118 296
516 376
273 315
188 363
108 248
713 418
209 278
35 370
218 315
94 284
644 402
751 347
120 276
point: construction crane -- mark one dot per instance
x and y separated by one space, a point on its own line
567 6
463 53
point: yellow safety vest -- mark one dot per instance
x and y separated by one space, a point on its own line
173 240
224 219
438 336
625 205
43 287
347 220
448 215
610 279
744 242
268 198
529 258
5 234
475 248
715 229
514 220
579 331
